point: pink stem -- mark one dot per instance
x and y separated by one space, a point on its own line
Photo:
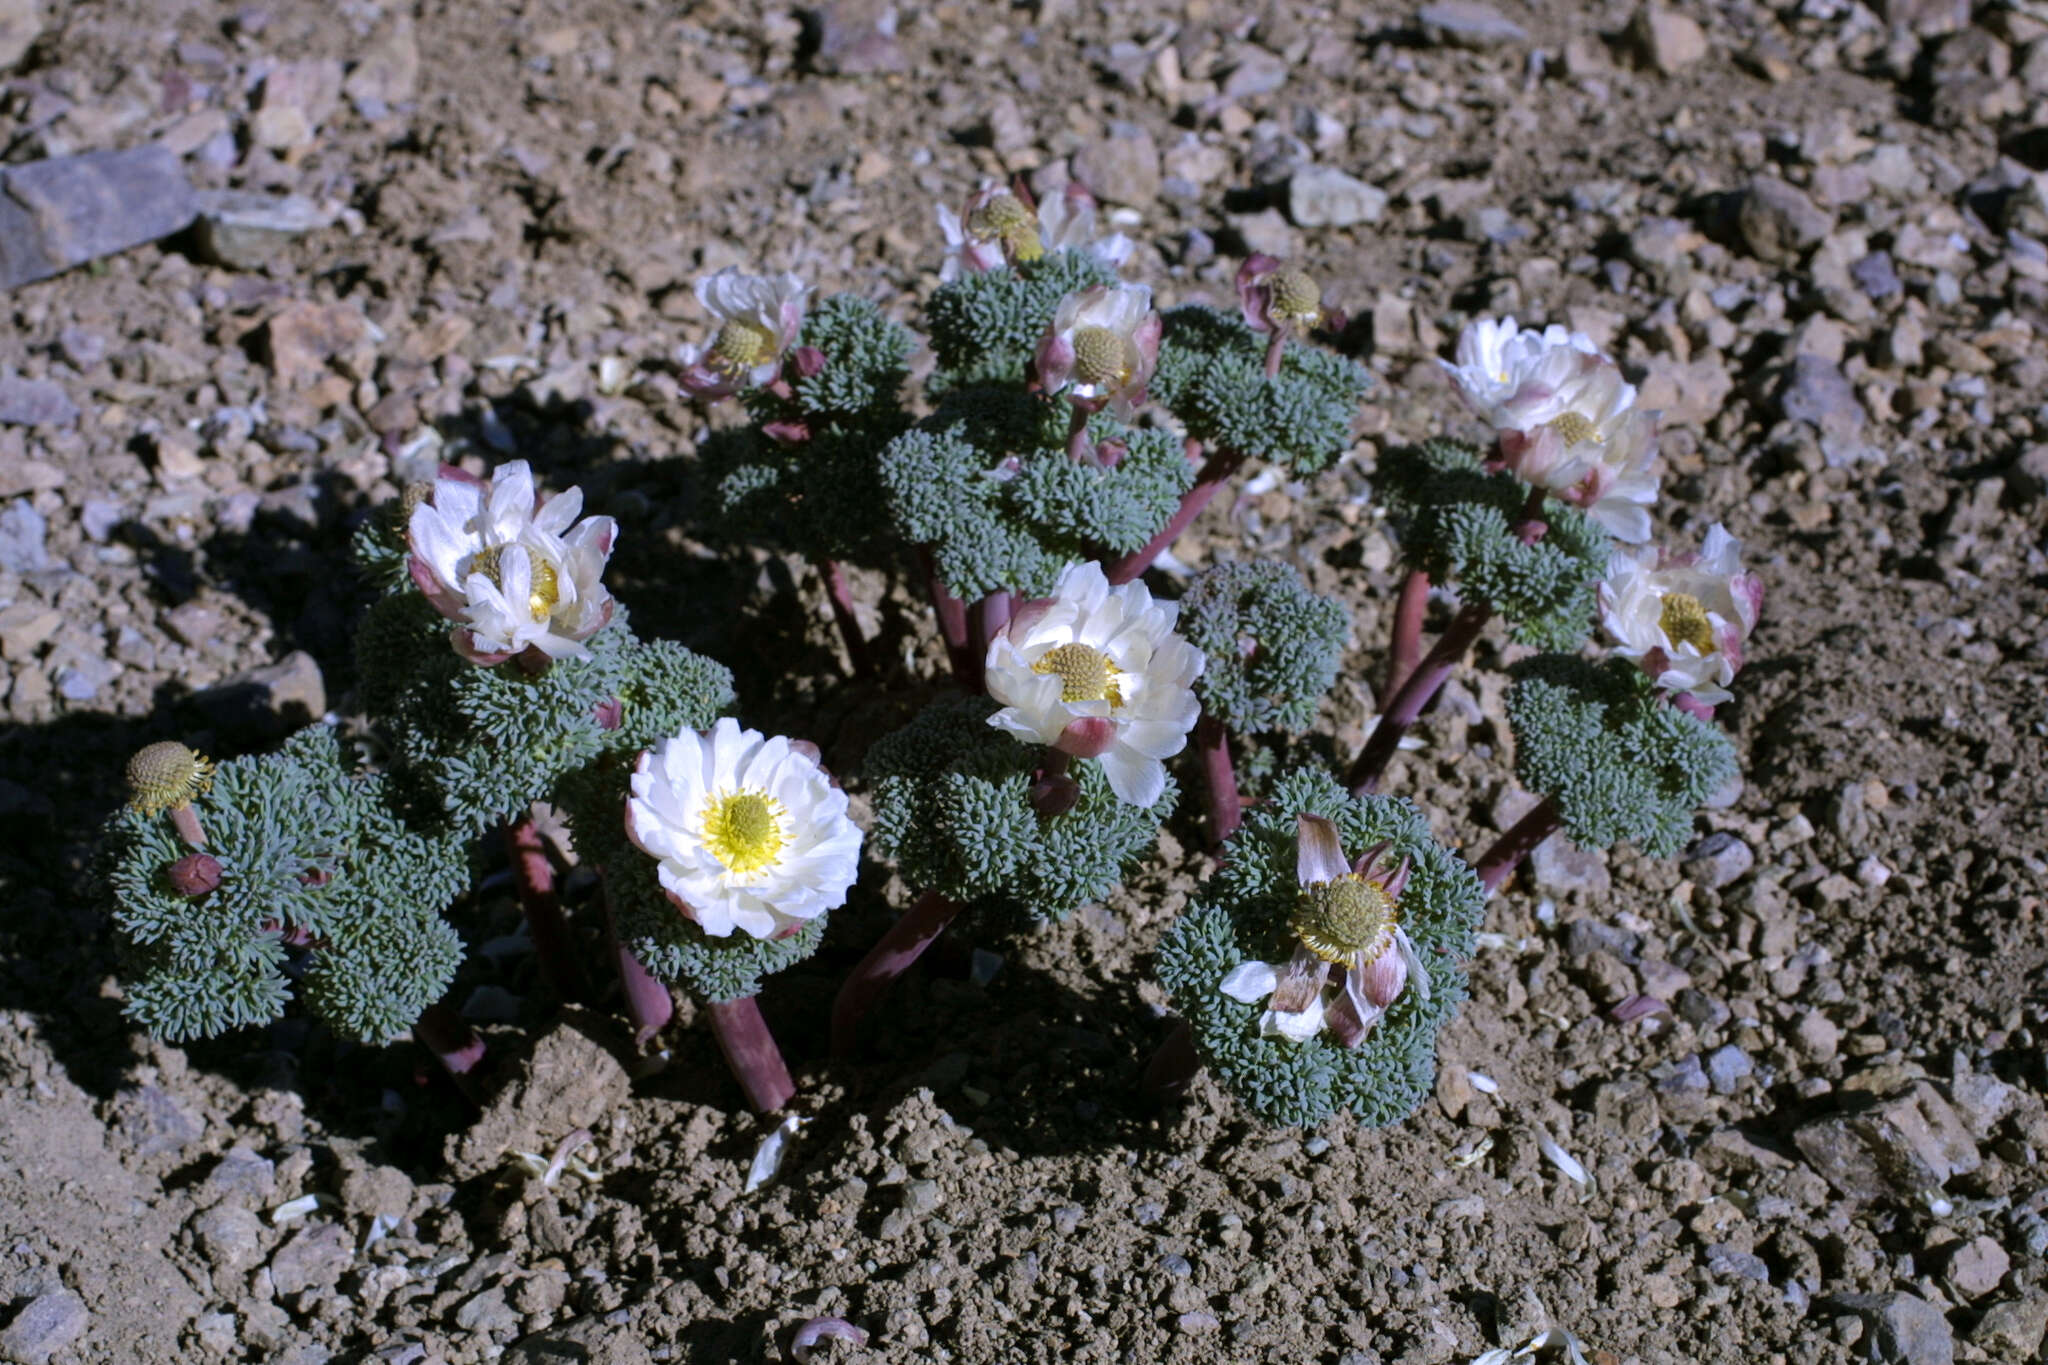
1532 526
988 617
1407 643
185 820
534 876
841 597
751 1053
1226 804
1077 436
1692 706
648 1001
1274 347
905 942
1209 481
1407 703
1172 1068
446 1034
1499 862
952 614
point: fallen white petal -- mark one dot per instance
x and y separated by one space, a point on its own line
1483 1083
768 1156
1560 1158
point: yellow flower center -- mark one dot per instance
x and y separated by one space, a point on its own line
1295 296
741 345
743 830
1102 357
1575 428
1085 674
545 589
1340 920
1005 219
166 774
1684 622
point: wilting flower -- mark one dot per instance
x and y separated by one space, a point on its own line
749 832
759 317
1684 617
998 227
1346 916
1274 295
1099 672
1505 372
1593 447
518 573
1101 346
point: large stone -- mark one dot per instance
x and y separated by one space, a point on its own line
50 1323
1904 1146
23 532
313 1258
231 1236
69 210
1903 1330
21 23
35 403
1323 196
269 702
387 69
1717 860
303 337
581 1339
246 231
1779 223
1469 23
2012 1330
1666 39
1120 170
572 1079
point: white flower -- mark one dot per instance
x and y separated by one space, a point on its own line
759 317
750 833
1592 446
1686 617
1505 371
1098 672
511 568
1101 345
1348 917
996 226
1066 222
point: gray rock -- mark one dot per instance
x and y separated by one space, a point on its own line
487 1313
1717 860
153 1123
1875 276
1323 196
1666 39
231 1236
21 23
246 231
1469 23
240 1176
377 1192
1904 1330
1926 18
66 211
1253 71
1978 1267
50 1323
2028 475
22 533
1905 1146
1727 1262
1727 1068
82 681
313 1258
2012 1330
1779 224
81 348
267 702
1560 866
35 403
1120 170
1818 393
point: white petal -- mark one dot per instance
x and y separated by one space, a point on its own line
1134 778
1250 981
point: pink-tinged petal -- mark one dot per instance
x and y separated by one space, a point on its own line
1350 1019
1731 647
1367 863
1380 981
1251 290
1692 705
1054 794
1749 599
609 715
1655 661
1301 981
1398 883
809 361
1025 618
1146 339
704 381
1335 320
1319 852
465 645
689 912
794 432
455 473
1055 362
559 513
596 535
1088 737
792 318
440 597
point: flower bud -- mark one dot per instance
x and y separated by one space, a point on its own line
194 875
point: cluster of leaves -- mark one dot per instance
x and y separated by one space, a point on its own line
1620 762
311 851
1241 914
952 800
985 325
1458 523
1212 377
1273 646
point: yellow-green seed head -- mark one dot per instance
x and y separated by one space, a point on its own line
164 775
1684 622
1101 358
1341 919
1294 296
1086 674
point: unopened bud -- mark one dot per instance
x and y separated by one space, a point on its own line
809 360
1054 794
194 875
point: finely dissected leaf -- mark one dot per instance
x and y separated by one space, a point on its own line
1273 646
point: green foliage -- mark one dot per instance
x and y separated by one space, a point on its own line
987 483
985 325
1241 914
952 808
867 360
1619 760
1273 646
1457 525
671 947
308 848
475 746
1212 376
378 546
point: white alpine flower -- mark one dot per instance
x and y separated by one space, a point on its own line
1685 618
1101 345
1505 371
997 227
1099 672
515 572
749 832
1591 445
759 318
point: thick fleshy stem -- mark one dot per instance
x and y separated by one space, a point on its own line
1406 646
1498 863
1172 1068
1209 481
952 614
1226 805
446 1034
751 1053
1275 346
987 618
1079 448
905 942
648 1002
841 597
534 876
1406 704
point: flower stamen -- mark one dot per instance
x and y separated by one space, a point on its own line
1575 428
1085 674
744 830
1684 622
1005 219
740 345
1102 358
1296 298
1348 919
546 587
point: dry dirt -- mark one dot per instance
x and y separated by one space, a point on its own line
1825 1143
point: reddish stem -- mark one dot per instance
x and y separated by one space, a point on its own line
1274 347
534 876
905 942
648 1001
1407 644
841 597
1078 447
1209 481
751 1053
1415 694
185 820
1500 861
952 614
446 1034
1226 804
1172 1068
988 617
1532 526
